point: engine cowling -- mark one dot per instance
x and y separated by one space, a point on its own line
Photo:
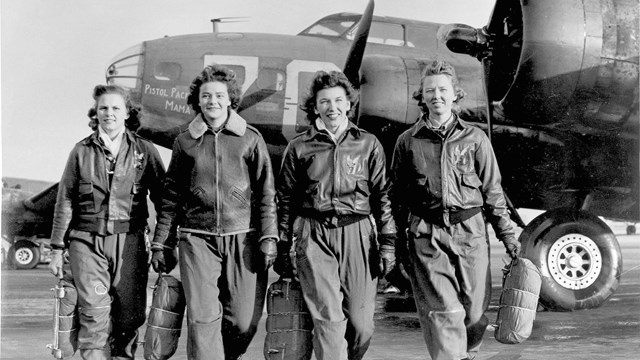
388 84
577 63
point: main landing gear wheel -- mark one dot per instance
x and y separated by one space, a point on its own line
25 255
578 255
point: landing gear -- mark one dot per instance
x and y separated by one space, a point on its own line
25 254
631 229
578 255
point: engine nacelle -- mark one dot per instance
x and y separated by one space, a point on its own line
577 63
388 84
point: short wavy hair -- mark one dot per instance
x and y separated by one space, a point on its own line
133 109
215 73
325 80
440 67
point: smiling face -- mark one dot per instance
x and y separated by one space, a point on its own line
214 101
332 106
111 111
439 95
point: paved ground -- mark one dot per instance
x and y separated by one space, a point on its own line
609 332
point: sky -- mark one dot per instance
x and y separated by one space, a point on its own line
53 52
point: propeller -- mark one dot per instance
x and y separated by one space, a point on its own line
356 53
488 44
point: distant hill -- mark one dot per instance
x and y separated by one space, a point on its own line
32 186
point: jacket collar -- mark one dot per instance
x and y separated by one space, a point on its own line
95 137
235 124
421 125
314 131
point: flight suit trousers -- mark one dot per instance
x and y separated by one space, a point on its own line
338 271
110 274
451 282
225 284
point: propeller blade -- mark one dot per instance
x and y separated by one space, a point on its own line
486 74
496 20
356 53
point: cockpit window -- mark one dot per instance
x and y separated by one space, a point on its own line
384 33
125 69
271 79
167 71
328 27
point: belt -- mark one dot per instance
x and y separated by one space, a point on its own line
439 216
333 220
104 227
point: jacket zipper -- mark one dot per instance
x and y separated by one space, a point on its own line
443 180
217 181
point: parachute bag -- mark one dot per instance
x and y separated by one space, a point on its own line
164 323
518 302
65 319
289 324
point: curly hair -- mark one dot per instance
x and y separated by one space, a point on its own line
215 73
440 67
133 109
325 80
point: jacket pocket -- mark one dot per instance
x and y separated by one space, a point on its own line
86 202
136 189
362 195
197 195
311 196
240 197
470 188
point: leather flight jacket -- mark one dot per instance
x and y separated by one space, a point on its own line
435 177
219 183
102 194
325 180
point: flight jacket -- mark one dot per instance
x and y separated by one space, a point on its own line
466 175
320 178
219 183
88 200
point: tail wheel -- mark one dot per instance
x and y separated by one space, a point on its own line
25 255
578 255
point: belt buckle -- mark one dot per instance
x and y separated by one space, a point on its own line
445 217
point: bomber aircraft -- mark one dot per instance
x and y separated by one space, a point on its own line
554 84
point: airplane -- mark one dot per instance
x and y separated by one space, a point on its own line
27 216
561 110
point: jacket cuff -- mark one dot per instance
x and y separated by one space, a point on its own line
57 240
160 237
159 247
508 239
265 237
55 246
387 239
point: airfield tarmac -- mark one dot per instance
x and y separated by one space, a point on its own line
611 331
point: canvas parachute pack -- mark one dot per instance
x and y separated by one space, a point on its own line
289 324
518 302
164 323
65 319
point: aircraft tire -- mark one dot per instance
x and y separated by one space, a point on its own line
25 255
579 258
631 229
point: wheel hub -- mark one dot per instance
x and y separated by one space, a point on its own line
574 261
24 256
